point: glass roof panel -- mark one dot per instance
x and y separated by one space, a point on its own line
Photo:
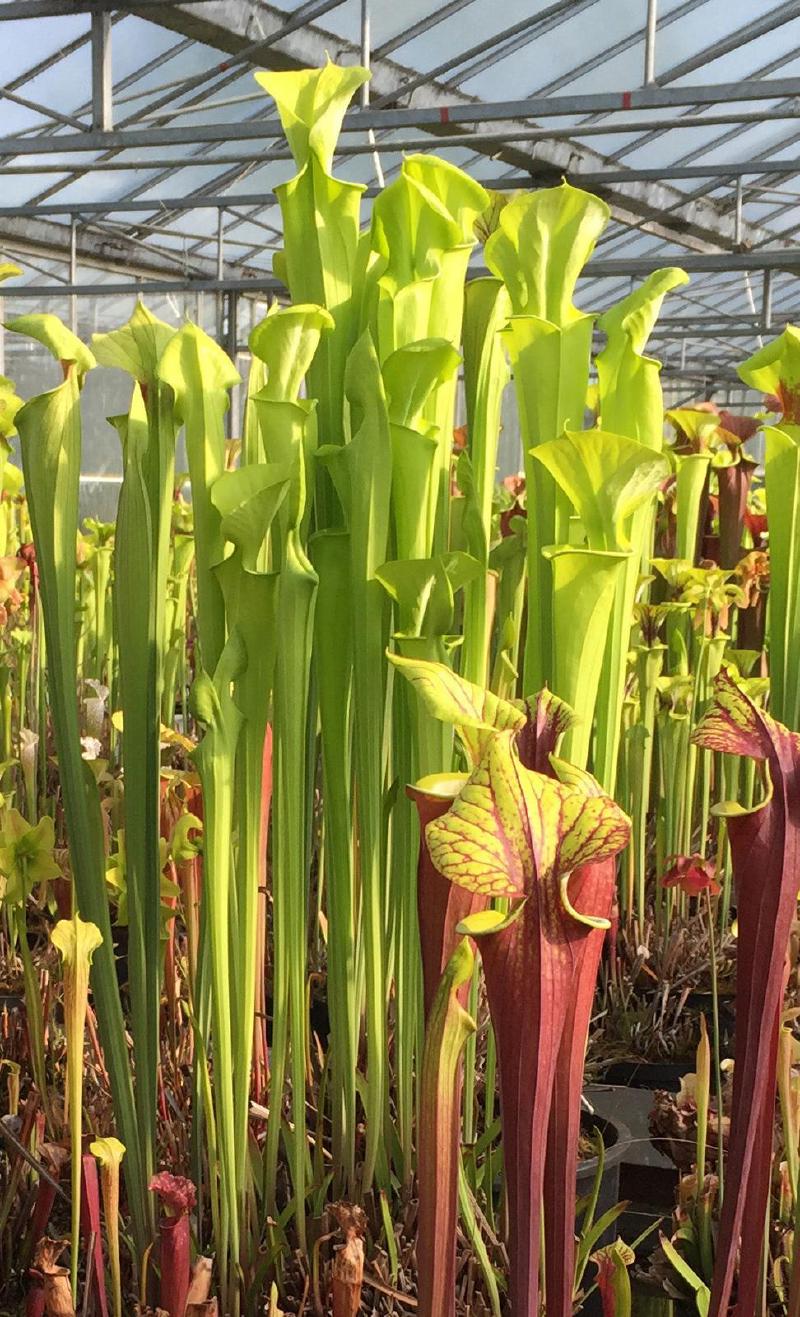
473 48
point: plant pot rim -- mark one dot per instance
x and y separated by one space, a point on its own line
614 1152
636 1072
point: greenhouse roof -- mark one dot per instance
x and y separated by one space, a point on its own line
138 148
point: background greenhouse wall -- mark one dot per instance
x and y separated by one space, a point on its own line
138 75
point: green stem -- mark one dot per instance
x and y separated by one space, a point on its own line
34 1015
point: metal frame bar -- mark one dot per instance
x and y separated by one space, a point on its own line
698 229
226 201
758 74
45 110
651 27
601 268
766 24
439 123
256 130
620 47
380 119
734 169
546 21
102 108
15 10
221 72
419 28
257 287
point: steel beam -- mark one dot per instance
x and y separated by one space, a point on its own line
230 24
736 169
382 115
255 287
545 107
767 22
422 26
510 132
100 250
596 269
651 28
46 111
753 331
691 221
719 322
73 274
198 201
766 299
24 9
629 42
498 44
504 182
758 74
102 110
696 263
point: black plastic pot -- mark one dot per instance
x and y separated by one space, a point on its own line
616 1138
649 1074
703 1003
318 1018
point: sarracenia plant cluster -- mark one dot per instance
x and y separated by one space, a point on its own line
336 708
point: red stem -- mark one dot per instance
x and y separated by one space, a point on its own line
592 888
175 1264
734 484
92 1228
440 905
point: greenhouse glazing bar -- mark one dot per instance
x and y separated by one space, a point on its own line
696 262
24 9
252 130
498 45
650 43
102 107
692 262
654 98
505 182
530 107
648 97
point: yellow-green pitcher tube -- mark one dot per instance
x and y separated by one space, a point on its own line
584 584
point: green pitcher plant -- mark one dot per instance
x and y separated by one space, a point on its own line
141 565
76 942
50 434
538 249
321 257
332 740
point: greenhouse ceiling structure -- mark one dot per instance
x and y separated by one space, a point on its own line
138 154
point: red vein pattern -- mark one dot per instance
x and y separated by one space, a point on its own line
765 847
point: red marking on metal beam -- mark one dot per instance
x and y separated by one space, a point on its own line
626 100
444 114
